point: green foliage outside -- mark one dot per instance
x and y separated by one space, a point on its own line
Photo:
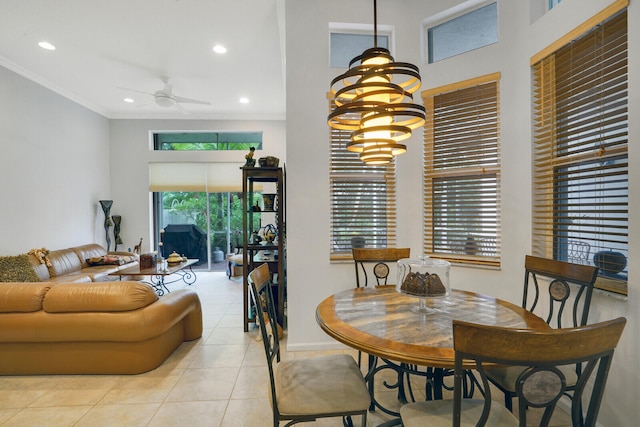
193 206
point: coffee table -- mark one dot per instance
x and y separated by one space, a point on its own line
158 275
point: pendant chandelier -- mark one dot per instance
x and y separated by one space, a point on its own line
374 100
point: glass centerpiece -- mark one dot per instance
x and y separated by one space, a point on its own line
424 278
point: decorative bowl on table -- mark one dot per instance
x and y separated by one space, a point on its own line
174 258
424 278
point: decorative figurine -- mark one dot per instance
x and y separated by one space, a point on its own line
137 249
251 162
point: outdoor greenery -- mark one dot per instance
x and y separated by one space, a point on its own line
193 207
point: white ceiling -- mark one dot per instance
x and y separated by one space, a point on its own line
105 45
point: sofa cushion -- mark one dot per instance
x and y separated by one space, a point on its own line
98 297
63 261
92 250
17 268
39 267
22 297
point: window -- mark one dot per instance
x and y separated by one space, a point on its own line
553 3
580 142
462 172
363 199
346 46
207 141
206 195
470 31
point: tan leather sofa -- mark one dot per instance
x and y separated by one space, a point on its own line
99 328
70 265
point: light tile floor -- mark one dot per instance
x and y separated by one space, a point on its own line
218 380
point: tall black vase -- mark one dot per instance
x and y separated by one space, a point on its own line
106 208
117 219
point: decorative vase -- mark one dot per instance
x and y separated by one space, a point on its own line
471 246
117 219
357 242
610 262
268 201
106 208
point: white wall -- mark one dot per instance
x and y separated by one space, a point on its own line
54 167
311 277
131 154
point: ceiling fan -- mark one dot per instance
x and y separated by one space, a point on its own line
166 98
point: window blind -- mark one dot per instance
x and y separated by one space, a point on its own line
580 166
195 177
462 171
363 199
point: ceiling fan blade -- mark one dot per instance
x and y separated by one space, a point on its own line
184 100
134 90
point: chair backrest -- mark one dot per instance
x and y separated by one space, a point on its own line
561 275
260 283
542 384
378 258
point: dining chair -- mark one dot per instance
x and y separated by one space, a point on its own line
376 261
563 279
303 390
540 385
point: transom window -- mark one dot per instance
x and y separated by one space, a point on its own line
206 141
473 30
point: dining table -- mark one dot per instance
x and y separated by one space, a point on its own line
395 328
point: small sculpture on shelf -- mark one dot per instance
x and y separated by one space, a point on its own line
250 161
137 249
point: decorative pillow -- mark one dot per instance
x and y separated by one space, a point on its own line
110 260
17 269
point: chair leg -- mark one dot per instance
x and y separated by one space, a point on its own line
508 401
372 360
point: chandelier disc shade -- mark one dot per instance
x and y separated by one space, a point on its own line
374 100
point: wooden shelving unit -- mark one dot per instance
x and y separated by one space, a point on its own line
272 181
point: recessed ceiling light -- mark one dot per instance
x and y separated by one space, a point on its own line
47 45
244 100
129 100
219 49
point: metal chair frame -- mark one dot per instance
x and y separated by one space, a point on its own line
380 257
261 293
560 274
591 345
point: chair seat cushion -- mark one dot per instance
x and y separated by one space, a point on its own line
326 384
237 259
506 377
439 413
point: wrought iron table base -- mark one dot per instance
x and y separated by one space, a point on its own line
433 388
159 282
